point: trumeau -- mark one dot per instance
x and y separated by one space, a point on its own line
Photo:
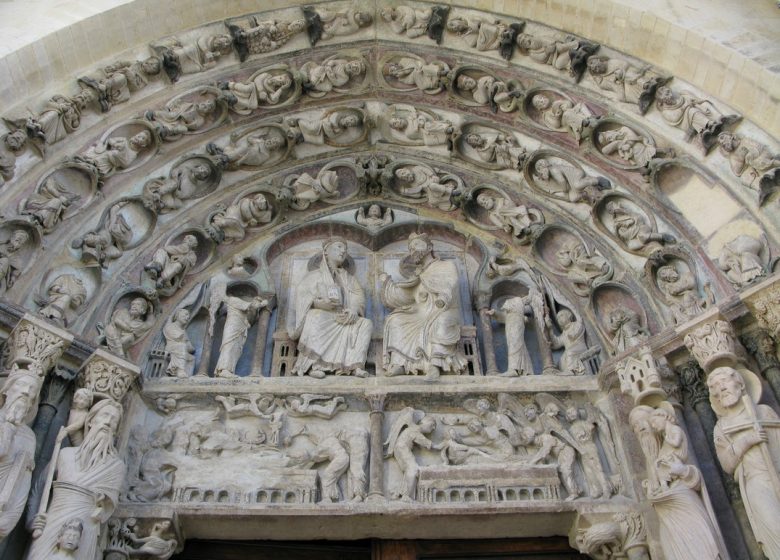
385 263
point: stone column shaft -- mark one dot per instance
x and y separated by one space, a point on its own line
762 347
376 458
262 333
489 348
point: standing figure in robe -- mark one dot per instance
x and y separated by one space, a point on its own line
332 333
178 345
421 335
86 487
240 314
513 314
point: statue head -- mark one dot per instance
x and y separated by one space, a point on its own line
597 65
542 169
665 95
525 41
200 172
355 67
82 399
349 120
296 25
397 123
457 25
18 238
466 83
374 211
281 80
427 424
69 537
726 387
527 435
141 140
639 419
259 201
659 418
100 429
482 405
541 102
668 274
138 307
151 66
475 426
16 140
274 142
572 413
531 412
222 43
182 316
206 107
420 246
405 174
363 19
486 201
564 318
190 241
335 251
475 140
728 141
19 395
551 409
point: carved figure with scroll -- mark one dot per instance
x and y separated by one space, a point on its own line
171 263
419 128
409 430
747 442
695 116
626 328
411 21
490 91
629 146
116 82
200 55
628 83
166 194
182 117
128 326
571 340
421 335
265 89
60 116
49 204
515 220
240 313
419 180
333 74
428 77
108 242
633 229
741 260
374 218
319 131
249 212
252 150
562 114
502 149
88 479
11 261
513 314
17 442
178 345
307 189
565 181
330 327
680 290
753 162
63 296
115 153
585 269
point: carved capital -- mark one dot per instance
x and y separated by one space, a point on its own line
622 535
33 340
764 304
107 375
713 344
640 377
693 385
762 347
377 402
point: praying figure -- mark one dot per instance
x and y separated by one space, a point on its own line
330 325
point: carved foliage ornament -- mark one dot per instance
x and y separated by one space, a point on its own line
711 343
108 376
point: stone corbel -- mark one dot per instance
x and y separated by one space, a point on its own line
107 375
611 536
35 341
149 538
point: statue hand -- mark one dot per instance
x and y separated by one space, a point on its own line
38 524
758 437
383 277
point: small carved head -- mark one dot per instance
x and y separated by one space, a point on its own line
660 418
541 102
420 246
191 241
525 41
349 120
151 66
222 43
404 174
15 140
335 251
138 307
20 393
274 142
542 169
355 67
728 141
200 172
259 201
182 316
281 81
70 535
457 25
475 140
141 140
564 317
666 95
486 201
374 211
207 106
18 238
531 412
397 123
668 274
726 386
363 19
427 424
572 413
597 65
82 399
466 83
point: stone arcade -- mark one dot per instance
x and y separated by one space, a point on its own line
387 271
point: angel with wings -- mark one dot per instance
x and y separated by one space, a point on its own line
410 429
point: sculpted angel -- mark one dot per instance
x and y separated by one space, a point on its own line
694 115
418 128
628 146
374 218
